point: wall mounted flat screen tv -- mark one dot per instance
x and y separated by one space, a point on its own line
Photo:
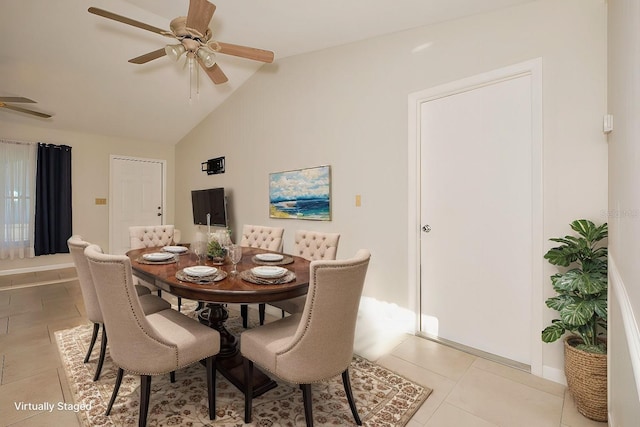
210 201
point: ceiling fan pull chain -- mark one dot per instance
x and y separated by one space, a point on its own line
190 59
197 83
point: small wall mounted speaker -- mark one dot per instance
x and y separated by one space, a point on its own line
213 166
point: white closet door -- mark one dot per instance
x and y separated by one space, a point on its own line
137 198
476 198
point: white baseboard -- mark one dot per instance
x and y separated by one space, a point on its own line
35 269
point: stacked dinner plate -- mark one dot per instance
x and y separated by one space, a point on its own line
268 271
158 256
269 257
200 271
201 274
268 275
175 249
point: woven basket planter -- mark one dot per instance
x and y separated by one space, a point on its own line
587 379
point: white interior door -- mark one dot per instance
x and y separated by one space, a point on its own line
137 198
476 199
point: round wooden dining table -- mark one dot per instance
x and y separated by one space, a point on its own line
231 289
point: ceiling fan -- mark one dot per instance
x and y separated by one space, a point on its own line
194 38
18 99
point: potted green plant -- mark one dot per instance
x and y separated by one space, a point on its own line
581 302
216 252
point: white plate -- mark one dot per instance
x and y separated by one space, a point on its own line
269 272
157 256
269 257
175 249
200 271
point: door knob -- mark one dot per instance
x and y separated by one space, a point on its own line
426 228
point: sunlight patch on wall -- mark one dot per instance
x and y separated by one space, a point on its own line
380 327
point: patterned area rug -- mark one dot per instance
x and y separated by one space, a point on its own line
383 398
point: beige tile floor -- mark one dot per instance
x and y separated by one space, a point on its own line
467 390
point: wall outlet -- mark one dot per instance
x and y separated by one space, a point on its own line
101 201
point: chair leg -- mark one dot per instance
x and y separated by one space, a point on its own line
179 303
211 386
347 389
306 398
261 310
160 293
248 392
103 351
172 376
96 329
244 313
116 387
145 392
283 314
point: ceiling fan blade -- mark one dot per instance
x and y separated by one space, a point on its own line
24 110
125 20
143 59
16 99
200 14
215 73
246 52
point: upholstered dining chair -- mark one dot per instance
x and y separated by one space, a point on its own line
310 245
151 236
259 236
147 345
150 303
314 345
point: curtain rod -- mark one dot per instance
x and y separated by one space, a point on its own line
8 141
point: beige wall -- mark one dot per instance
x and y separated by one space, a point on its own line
624 212
90 180
347 107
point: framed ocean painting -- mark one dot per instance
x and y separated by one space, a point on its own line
301 194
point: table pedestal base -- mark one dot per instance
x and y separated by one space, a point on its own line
229 361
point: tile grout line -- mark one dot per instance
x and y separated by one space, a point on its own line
33 285
488 371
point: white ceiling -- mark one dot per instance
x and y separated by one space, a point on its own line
74 64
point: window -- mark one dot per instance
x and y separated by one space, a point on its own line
17 183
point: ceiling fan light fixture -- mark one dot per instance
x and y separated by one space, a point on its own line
193 33
174 51
207 57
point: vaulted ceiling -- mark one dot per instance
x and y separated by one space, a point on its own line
74 64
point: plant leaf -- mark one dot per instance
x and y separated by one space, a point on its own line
583 227
588 283
600 306
559 302
562 255
577 314
553 332
567 282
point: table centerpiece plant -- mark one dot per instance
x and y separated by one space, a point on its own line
215 251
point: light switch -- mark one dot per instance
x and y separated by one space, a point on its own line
101 201
358 200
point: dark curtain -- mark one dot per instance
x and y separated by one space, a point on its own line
53 199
